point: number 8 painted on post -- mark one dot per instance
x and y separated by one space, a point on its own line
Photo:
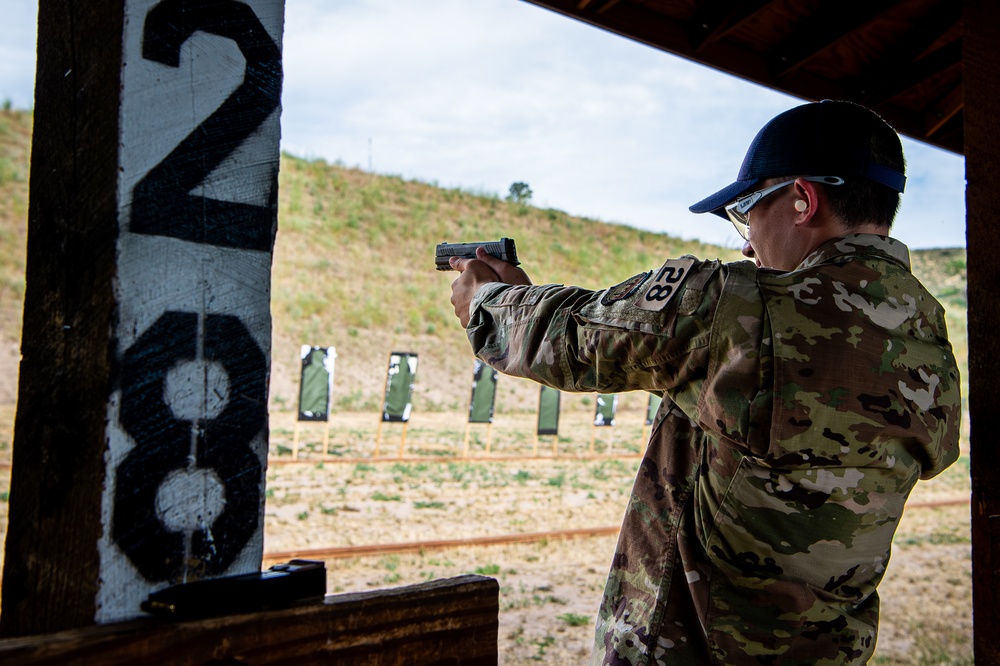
163 445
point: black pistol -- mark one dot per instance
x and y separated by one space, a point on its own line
502 249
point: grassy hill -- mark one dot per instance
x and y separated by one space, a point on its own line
354 269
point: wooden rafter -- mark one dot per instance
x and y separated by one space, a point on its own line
927 67
607 5
908 48
821 31
945 110
599 7
714 20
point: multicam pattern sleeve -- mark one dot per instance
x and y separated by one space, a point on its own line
574 339
799 410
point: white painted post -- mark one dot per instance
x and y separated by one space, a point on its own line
187 427
140 441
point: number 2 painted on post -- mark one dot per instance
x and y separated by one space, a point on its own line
162 204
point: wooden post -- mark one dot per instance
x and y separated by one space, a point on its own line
982 160
141 432
402 439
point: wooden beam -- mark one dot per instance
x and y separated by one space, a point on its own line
822 30
949 55
141 427
946 109
714 19
50 576
928 30
981 65
450 621
608 4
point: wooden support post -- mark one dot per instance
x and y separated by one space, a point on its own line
489 437
982 159
465 446
141 433
295 441
450 621
378 439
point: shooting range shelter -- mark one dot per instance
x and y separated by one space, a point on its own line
930 67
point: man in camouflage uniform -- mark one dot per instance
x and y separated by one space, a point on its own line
803 398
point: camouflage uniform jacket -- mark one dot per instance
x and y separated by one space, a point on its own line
799 410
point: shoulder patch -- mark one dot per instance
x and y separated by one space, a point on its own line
624 290
665 285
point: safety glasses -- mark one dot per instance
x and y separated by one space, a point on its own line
739 210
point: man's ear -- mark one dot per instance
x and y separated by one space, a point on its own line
807 201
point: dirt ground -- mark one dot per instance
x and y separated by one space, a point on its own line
549 590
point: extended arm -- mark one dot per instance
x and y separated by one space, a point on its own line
614 340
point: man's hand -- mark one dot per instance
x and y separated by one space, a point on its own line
474 273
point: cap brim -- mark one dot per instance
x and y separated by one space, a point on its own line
716 202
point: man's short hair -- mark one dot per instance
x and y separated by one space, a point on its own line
859 199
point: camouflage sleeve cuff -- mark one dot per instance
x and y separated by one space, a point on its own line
483 294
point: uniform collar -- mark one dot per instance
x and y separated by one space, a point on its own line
858 244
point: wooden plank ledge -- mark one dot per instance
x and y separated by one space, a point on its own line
452 620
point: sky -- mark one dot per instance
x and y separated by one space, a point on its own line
481 94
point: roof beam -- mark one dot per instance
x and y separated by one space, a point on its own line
931 28
715 19
822 30
946 109
930 65
600 6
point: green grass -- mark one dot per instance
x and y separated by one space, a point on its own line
576 620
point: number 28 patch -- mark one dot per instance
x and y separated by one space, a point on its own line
666 283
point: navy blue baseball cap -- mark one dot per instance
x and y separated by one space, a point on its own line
828 138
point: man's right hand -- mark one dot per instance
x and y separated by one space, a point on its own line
474 273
